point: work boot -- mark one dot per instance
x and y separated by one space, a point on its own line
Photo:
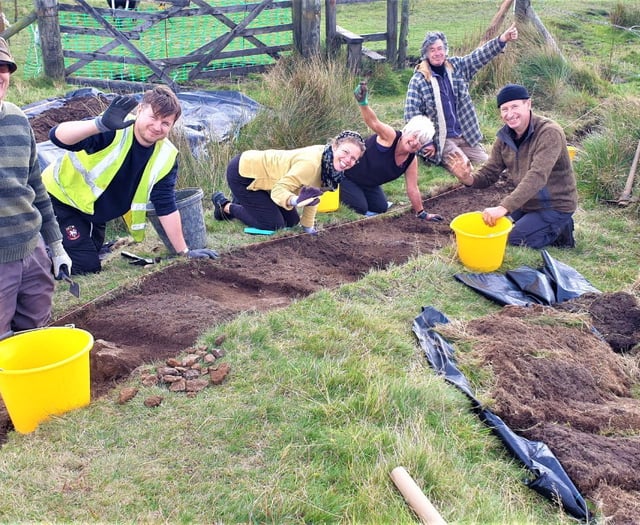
565 239
219 202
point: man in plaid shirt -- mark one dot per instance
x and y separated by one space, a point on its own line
439 89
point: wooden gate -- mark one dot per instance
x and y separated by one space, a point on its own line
125 44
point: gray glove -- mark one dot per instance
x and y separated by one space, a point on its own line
60 258
114 116
310 230
429 216
202 253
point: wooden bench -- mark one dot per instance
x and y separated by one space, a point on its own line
356 50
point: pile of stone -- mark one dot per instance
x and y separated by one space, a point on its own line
190 374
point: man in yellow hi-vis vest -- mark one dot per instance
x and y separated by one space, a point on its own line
114 166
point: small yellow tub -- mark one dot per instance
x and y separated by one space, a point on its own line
44 372
480 247
329 201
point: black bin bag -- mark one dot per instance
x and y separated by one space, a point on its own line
555 282
549 478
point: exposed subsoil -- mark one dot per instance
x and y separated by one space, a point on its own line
555 382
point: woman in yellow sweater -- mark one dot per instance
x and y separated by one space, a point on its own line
269 185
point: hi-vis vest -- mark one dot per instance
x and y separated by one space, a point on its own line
79 178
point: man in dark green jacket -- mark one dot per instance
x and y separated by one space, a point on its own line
533 151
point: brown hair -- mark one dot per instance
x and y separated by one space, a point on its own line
163 102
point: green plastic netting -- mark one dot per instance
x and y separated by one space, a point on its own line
167 39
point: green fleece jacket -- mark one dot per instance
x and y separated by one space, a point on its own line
25 207
540 168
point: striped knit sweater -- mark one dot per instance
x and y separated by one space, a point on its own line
25 207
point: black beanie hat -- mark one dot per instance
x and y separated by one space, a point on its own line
512 92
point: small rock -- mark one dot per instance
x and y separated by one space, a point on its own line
191 374
218 352
168 371
190 360
179 386
127 394
209 358
169 378
220 339
173 362
153 401
219 374
149 380
195 385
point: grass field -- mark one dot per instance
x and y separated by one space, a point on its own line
332 392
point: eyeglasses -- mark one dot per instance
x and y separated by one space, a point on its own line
348 156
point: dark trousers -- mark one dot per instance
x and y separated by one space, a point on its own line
537 229
362 199
81 238
255 208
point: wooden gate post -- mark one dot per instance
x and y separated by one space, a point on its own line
333 40
392 33
47 13
306 27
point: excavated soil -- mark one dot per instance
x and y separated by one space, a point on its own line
554 382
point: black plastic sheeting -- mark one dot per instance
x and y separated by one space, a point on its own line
555 282
549 478
206 116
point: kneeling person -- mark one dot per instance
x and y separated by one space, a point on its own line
113 166
533 150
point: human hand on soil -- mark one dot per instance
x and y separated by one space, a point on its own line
114 116
361 93
202 253
432 217
458 164
491 215
310 230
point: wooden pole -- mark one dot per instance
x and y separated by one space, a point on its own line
306 27
416 499
392 33
47 13
24 22
330 21
497 20
403 39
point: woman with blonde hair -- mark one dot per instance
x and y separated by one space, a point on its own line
269 186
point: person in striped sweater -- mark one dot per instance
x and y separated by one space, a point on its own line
31 251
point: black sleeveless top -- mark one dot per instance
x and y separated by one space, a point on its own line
378 164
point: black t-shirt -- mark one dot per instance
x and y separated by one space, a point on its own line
116 199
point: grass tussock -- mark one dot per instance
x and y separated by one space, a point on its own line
313 104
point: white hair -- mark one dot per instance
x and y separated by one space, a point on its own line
420 126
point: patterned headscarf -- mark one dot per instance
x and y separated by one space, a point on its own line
330 176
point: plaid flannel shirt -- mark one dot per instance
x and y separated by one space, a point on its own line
420 97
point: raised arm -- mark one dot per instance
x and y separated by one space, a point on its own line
113 118
386 133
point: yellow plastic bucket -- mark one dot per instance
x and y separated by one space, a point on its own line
480 247
44 372
329 201
572 152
